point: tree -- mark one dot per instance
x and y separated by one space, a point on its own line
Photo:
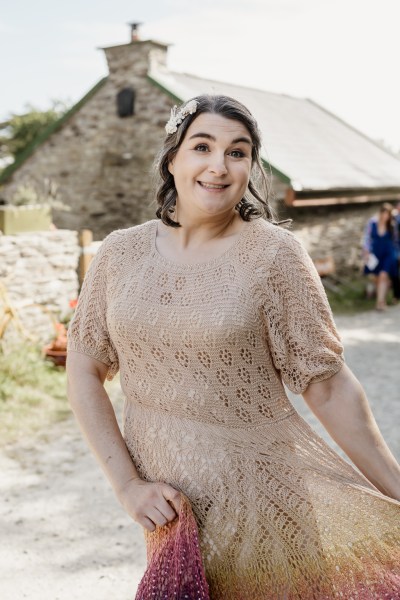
21 129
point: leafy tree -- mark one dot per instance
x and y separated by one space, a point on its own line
21 129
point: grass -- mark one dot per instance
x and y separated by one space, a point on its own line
32 393
348 296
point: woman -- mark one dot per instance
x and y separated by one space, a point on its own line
379 250
207 311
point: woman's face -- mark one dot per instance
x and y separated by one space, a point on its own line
212 166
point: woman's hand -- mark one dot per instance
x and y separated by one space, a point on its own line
150 504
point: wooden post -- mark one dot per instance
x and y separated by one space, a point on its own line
85 241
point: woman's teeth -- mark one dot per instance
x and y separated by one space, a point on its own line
212 186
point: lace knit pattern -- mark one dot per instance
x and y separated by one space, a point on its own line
203 352
175 568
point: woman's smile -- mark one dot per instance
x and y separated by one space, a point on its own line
213 187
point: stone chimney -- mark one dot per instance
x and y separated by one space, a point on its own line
135 59
134 31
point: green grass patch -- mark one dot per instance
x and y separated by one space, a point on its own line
32 393
348 296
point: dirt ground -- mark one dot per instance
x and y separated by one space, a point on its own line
64 536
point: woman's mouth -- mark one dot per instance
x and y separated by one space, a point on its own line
212 186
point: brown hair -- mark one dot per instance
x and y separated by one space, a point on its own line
255 202
386 207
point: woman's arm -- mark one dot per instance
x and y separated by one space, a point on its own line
147 503
342 407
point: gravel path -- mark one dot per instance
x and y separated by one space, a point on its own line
63 534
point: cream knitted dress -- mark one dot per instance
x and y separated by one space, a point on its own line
203 351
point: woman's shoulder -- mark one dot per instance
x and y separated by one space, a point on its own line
271 238
278 253
135 238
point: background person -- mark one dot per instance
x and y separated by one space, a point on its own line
379 253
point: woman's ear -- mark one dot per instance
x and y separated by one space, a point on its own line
171 167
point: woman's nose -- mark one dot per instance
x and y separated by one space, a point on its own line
217 165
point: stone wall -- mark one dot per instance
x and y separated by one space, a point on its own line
39 273
334 230
101 162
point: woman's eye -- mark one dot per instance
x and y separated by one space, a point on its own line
202 147
237 153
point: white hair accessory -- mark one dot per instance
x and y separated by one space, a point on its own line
177 115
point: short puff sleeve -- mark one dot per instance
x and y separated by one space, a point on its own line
88 332
302 337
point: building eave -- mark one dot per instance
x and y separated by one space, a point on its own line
276 172
343 196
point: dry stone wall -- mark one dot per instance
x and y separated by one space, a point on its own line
38 272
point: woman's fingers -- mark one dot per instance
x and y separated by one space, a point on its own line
156 516
173 496
147 524
151 504
163 512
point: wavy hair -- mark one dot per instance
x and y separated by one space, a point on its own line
255 202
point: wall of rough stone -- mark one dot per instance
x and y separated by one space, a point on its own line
101 162
334 230
38 268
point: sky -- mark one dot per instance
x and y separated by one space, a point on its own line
344 54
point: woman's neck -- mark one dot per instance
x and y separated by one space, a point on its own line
198 231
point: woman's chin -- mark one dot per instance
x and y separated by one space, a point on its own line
216 208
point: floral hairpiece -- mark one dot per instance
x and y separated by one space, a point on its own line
177 115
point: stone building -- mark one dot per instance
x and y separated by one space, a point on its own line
325 175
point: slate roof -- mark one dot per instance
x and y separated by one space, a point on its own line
306 145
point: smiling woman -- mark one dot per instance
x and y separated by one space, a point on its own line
208 311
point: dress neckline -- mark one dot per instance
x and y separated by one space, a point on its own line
171 264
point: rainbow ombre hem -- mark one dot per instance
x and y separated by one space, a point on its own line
174 564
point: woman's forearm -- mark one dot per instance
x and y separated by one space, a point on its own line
96 417
342 407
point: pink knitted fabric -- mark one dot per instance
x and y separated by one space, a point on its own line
175 569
